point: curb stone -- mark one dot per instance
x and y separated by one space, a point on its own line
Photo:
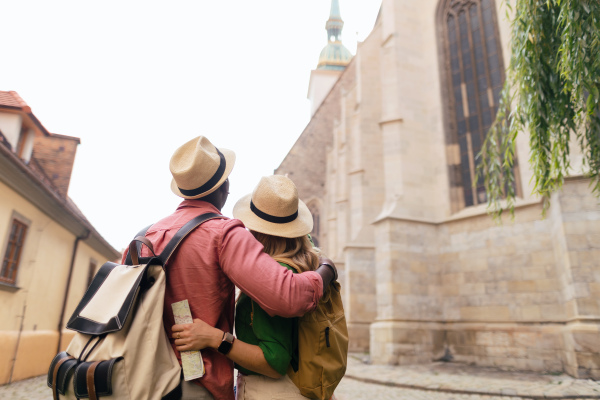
462 379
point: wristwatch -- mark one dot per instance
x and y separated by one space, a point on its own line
226 343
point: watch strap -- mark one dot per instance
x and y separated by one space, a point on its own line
226 343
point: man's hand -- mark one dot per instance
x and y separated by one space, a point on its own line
196 336
328 271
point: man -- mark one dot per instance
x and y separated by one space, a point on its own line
218 256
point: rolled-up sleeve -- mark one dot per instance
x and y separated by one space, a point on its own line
277 290
275 339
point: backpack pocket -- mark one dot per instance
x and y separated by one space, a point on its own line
60 371
94 377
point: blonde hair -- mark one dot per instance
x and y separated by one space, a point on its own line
298 251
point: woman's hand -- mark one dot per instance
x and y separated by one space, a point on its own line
200 335
196 336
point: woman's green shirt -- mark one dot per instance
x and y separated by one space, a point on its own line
276 336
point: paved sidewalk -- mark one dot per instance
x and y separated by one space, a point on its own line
460 379
435 381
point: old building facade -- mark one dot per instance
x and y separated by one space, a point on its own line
386 164
50 251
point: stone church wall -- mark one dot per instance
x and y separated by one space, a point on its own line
521 295
420 280
306 163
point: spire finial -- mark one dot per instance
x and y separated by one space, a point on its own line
334 24
334 13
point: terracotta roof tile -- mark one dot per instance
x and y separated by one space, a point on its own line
12 99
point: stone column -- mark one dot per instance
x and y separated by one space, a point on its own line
360 301
415 181
577 247
405 330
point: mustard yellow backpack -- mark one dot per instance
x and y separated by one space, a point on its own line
322 345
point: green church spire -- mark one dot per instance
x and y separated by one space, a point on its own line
334 24
334 56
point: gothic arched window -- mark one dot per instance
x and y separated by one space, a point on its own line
472 78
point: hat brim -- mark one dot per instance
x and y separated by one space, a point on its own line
302 225
229 163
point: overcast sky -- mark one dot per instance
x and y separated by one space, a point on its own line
136 79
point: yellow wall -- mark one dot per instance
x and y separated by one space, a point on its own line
42 281
8 343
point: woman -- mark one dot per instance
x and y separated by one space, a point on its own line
265 346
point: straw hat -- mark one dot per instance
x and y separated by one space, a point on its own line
274 208
199 168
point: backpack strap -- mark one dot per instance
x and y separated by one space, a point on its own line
89 380
174 242
128 260
134 252
182 233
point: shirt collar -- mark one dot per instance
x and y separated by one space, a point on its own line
200 204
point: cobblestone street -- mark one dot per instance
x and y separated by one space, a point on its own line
353 389
436 381
36 389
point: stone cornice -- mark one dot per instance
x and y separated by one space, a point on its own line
470 212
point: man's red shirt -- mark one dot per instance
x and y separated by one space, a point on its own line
205 269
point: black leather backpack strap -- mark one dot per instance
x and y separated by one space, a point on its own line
182 233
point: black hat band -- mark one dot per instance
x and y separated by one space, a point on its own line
211 182
272 218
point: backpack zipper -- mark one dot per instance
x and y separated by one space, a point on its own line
327 337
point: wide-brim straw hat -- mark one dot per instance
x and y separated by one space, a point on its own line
199 168
275 209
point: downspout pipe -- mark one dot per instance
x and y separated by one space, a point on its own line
71 268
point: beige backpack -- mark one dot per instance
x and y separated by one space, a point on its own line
322 345
121 350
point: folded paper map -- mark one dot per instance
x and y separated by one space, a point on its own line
191 361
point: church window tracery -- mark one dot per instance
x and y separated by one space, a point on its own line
472 75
